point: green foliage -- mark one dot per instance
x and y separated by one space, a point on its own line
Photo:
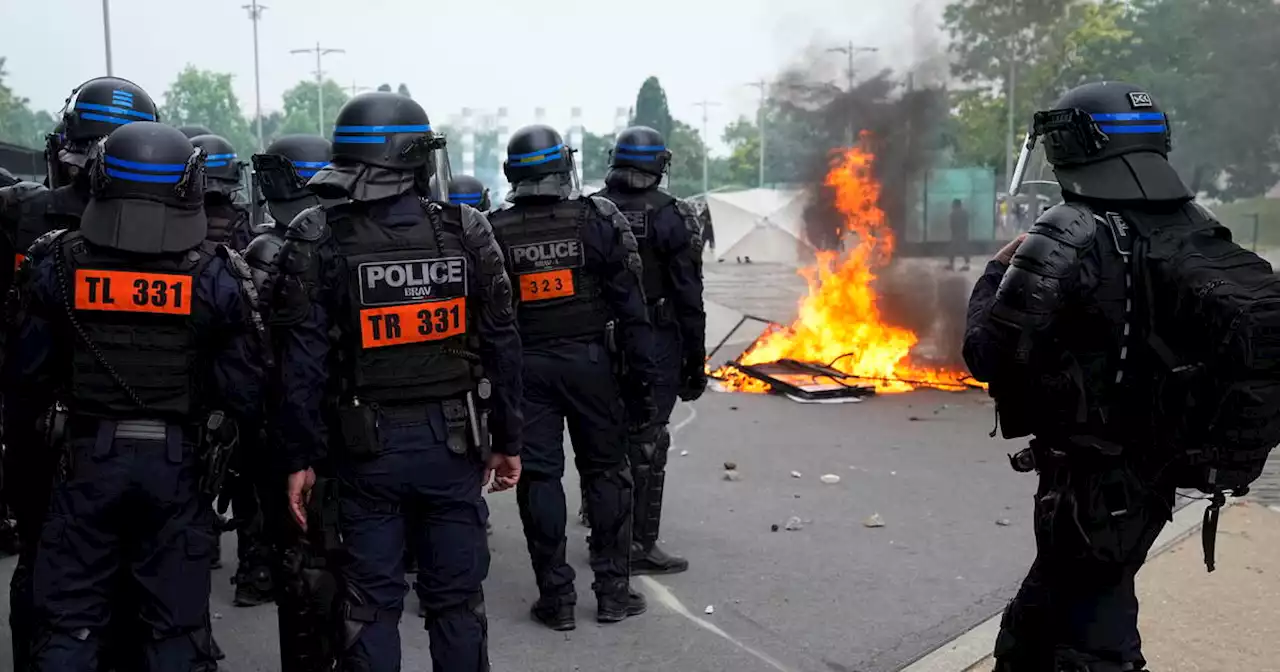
300 107
19 124
272 127
651 108
595 155
207 98
1210 64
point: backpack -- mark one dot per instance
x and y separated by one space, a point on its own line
1209 313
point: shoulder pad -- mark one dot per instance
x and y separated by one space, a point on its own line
14 195
1204 212
235 262
686 208
604 206
1068 223
310 225
45 243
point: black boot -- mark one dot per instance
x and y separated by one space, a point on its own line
555 613
654 560
618 605
253 586
217 549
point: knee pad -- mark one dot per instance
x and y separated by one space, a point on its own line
474 606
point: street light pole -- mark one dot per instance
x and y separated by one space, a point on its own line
319 51
706 149
849 50
106 32
255 13
764 89
356 88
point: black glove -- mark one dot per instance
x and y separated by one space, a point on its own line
693 378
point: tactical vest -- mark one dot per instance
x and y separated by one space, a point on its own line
135 353
410 329
641 208
543 244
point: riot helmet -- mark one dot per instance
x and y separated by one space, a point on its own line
386 130
642 148
92 111
469 190
283 169
535 152
1105 141
223 171
194 130
146 187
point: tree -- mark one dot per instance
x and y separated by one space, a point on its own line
272 127
651 108
18 123
404 91
595 155
300 107
207 98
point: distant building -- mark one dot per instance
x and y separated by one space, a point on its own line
23 162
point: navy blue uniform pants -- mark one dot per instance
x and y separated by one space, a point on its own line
1077 609
573 382
649 463
125 507
414 477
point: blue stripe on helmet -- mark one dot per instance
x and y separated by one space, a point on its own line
122 94
468 201
1129 116
310 164
546 159
90 116
219 157
360 139
215 164
139 177
636 157
139 165
1133 130
643 148
307 173
419 128
115 110
537 153
476 194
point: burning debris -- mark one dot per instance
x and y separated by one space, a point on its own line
841 345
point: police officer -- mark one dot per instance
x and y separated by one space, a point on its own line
281 562
160 353
407 303
669 235
1049 330
27 211
228 221
467 189
578 275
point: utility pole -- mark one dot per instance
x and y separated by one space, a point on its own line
255 13
849 50
356 88
319 51
1008 137
764 90
706 147
106 32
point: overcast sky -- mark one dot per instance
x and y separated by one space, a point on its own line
482 54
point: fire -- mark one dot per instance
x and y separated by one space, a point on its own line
839 322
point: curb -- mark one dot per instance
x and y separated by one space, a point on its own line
971 647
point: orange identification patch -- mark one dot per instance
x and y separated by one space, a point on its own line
546 285
412 323
17 260
132 292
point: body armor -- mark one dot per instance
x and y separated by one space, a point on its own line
556 298
135 330
225 219
641 208
409 328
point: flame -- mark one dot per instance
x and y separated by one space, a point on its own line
839 321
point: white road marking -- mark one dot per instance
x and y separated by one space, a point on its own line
668 599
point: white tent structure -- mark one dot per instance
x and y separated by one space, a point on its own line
764 224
